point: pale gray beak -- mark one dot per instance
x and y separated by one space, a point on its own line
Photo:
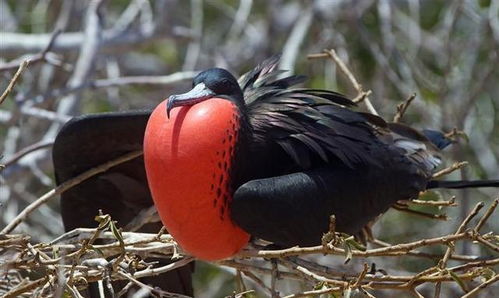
199 93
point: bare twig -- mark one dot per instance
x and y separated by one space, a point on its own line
450 247
315 293
67 185
361 277
481 286
23 288
258 281
21 43
150 289
486 215
27 150
455 133
119 81
401 108
42 56
398 249
14 80
450 203
450 169
406 209
241 18
362 95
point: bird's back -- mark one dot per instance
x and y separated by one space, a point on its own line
356 165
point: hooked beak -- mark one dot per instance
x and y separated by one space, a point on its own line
199 93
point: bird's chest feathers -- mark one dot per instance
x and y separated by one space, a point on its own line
188 160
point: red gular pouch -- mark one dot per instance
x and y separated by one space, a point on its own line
188 157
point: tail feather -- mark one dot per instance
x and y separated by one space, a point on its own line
462 184
437 138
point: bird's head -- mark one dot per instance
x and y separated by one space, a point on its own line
214 82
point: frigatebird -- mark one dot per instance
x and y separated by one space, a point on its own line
260 157
255 156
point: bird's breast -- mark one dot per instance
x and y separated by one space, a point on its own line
188 159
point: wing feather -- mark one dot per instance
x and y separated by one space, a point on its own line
316 124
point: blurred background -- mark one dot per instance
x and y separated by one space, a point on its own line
121 55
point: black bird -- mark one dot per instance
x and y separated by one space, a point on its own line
258 156
250 157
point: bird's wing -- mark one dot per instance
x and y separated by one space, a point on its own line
306 122
416 146
294 209
310 123
89 141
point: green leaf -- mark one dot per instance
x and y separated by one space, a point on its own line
487 273
116 232
348 252
97 250
103 220
458 280
351 241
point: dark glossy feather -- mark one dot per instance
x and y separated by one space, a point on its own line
322 122
312 156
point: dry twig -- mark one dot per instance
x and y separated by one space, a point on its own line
14 80
361 94
455 166
67 185
402 108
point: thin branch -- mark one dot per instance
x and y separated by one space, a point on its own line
258 281
486 215
398 249
151 290
443 263
402 108
23 288
487 243
67 185
119 81
42 56
316 293
403 208
362 95
112 41
332 54
454 167
481 286
450 203
428 255
362 275
163 269
14 80
27 150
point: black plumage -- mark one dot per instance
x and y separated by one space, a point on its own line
301 156
311 156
